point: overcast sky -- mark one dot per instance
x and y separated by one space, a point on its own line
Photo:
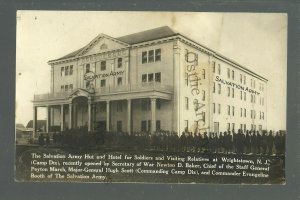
255 40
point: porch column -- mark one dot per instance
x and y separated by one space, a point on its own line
89 115
52 116
34 121
47 118
153 115
62 117
129 116
70 115
75 116
107 115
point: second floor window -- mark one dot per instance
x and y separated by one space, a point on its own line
103 83
150 77
87 68
119 62
67 70
103 65
119 80
157 55
62 71
157 77
71 69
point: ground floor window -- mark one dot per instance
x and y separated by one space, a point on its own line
157 124
119 126
144 125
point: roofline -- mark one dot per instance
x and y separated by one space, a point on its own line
216 54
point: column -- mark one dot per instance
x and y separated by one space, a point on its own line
75 116
70 115
89 115
62 117
34 121
107 115
129 116
47 118
153 115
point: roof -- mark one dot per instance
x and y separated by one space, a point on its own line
134 38
147 35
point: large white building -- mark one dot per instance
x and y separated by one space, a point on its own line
151 80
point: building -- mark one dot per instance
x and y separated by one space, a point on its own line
152 80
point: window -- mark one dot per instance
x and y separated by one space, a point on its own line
228 126
157 77
158 104
119 126
228 110
144 78
71 70
62 88
233 125
71 87
144 125
228 72
251 98
67 70
157 124
219 69
103 65
241 95
203 95
186 125
259 114
119 107
119 62
214 108
228 91
241 112
150 77
232 110
241 78
245 96
232 92
62 73
245 113
219 108
103 83
232 74
263 115
119 80
144 57
186 103
87 68
245 127
214 67
151 56
203 116
219 88
157 55
241 127
66 87
203 73
214 87
244 80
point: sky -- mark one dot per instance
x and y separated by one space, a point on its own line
255 40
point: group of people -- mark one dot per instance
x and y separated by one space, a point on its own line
255 142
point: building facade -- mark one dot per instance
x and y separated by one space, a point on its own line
152 80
